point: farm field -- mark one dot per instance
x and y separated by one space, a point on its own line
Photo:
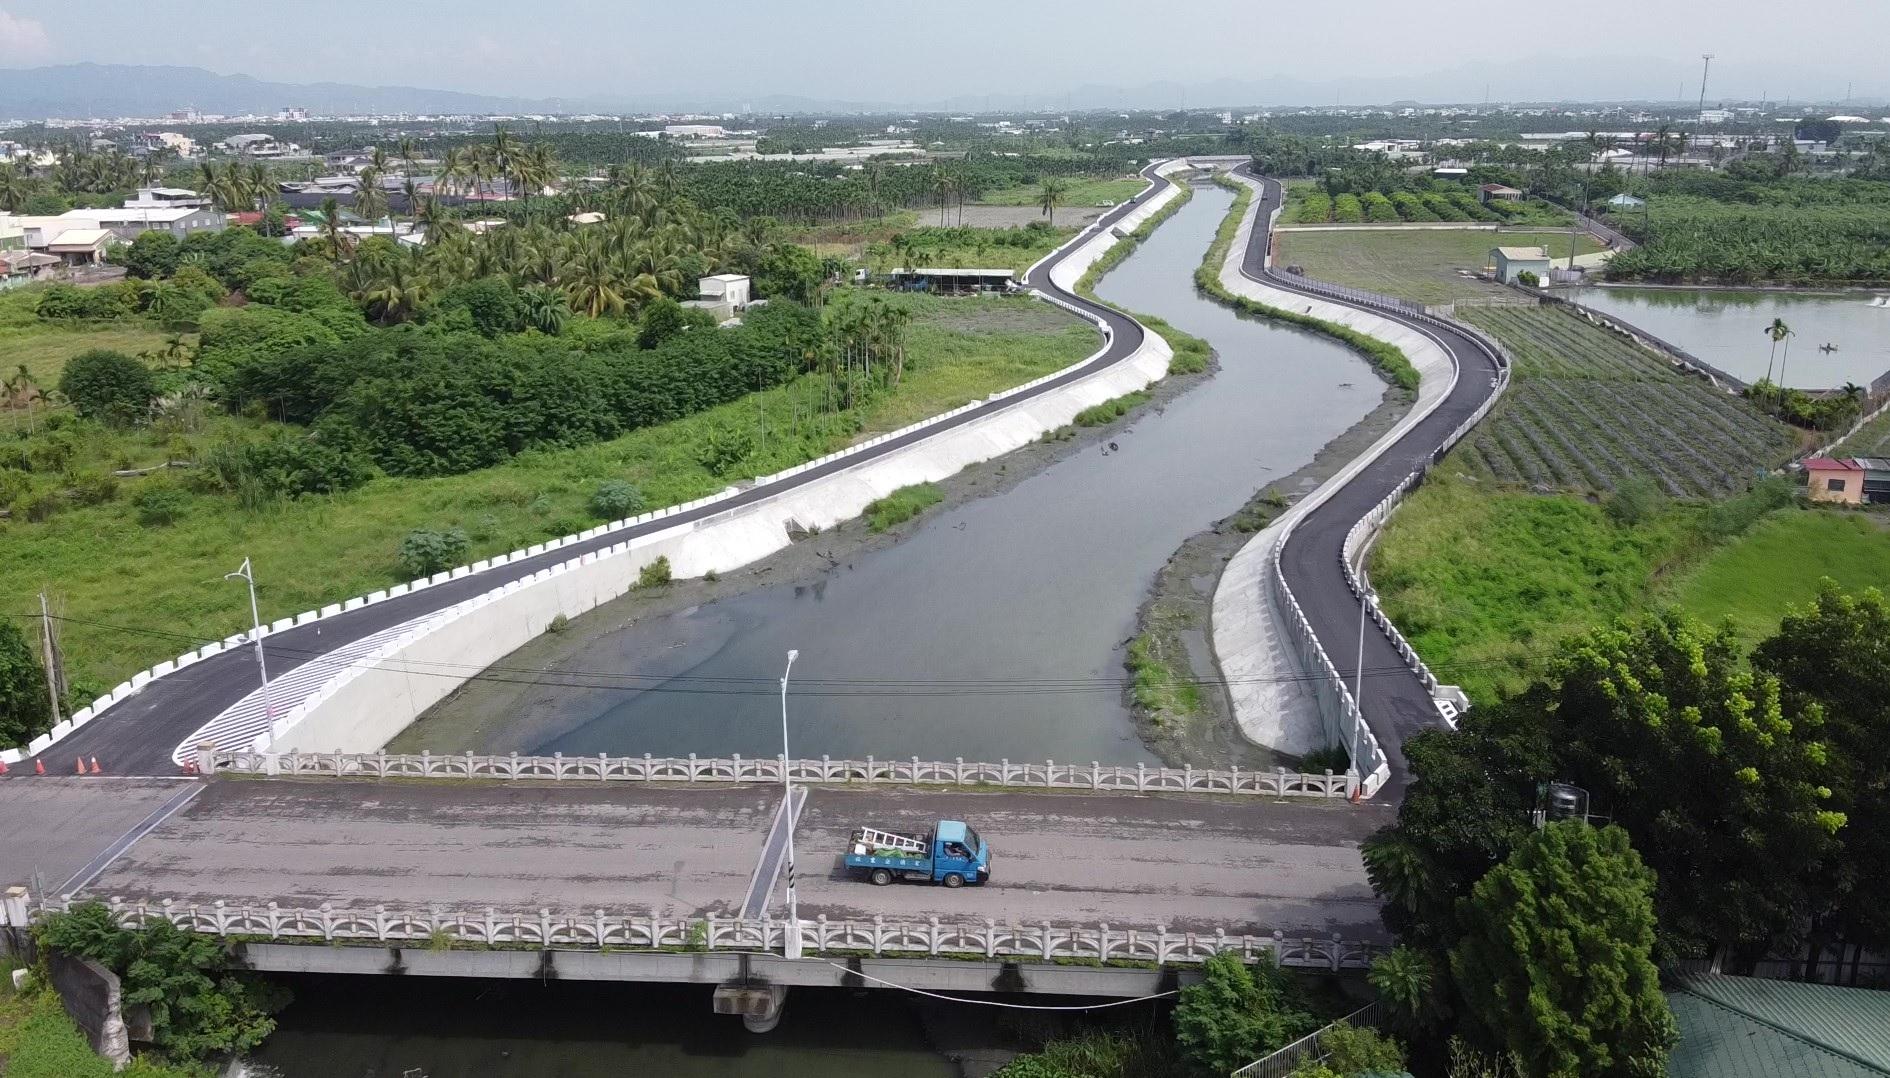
43 348
1872 440
1423 265
1308 204
1588 411
167 588
1687 238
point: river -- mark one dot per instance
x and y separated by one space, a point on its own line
1727 329
442 1027
998 629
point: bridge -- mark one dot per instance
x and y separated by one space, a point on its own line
639 869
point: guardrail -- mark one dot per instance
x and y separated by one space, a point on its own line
600 929
1047 775
138 681
1286 1060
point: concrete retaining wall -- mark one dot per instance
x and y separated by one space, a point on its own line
368 703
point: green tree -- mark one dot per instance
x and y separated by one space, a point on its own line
1238 1013
1556 961
1835 654
25 709
108 386
788 271
426 551
1050 195
153 255
1717 779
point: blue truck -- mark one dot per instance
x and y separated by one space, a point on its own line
951 854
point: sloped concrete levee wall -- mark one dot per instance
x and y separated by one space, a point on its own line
370 700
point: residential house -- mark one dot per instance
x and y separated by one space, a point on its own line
150 142
165 198
1750 1027
130 222
259 145
1848 481
82 246
730 288
1512 262
24 267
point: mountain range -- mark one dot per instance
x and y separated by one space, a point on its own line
80 91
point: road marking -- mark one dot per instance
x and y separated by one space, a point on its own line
773 853
97 865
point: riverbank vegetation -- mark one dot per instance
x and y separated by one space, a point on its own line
1588 410
901 505
1387 359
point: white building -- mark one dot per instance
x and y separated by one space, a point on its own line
156 198
695 131
729 288
153 141
259 145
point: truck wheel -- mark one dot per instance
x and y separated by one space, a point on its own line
880 877
953 879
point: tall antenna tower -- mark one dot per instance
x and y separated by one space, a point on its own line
1705 68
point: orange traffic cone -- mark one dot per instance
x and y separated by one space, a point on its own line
81 761
39 767
3 767
95 769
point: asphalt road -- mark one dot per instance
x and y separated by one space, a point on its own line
1186 862
1395 703
53 826
138 735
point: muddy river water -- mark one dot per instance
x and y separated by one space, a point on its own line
998 628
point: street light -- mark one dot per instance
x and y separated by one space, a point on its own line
1366 596
787 810
248 576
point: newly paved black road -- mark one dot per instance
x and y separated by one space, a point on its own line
137 736
1395 703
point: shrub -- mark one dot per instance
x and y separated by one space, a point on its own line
1238 1014
1528 279
159 505
1110 410
1346 209
617 499
1635 500
94 488
655 574
425 551
108 386
724 448
901 505
559 623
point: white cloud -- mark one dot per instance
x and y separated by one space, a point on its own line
22 40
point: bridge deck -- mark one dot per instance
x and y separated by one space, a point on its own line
1188 862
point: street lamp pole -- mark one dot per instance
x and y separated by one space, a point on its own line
793 948
248 576
1365 596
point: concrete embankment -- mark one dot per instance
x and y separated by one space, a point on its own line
1253 638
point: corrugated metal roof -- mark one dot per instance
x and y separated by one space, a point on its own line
1750 1027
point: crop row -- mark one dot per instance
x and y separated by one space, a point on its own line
1317 207
1550 342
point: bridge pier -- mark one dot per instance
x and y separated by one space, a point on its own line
760 1005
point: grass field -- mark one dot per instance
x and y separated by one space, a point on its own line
1588 410
44 347
1487 585
1779 563
1087 192
1421 265
166 585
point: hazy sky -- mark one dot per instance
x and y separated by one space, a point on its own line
888 50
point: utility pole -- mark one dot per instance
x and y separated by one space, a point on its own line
793 948
52 657
1705 68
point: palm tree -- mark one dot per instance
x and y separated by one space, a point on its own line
396 292
409 154
452 173
545 309
591 282
339 239
1049 194
1783 332
1778 331
15 188
369 200
941 184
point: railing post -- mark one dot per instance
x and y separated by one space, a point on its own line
207 758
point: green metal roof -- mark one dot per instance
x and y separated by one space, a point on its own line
1749 1027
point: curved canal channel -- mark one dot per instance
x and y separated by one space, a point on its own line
997 627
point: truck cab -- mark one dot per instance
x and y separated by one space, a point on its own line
951 853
